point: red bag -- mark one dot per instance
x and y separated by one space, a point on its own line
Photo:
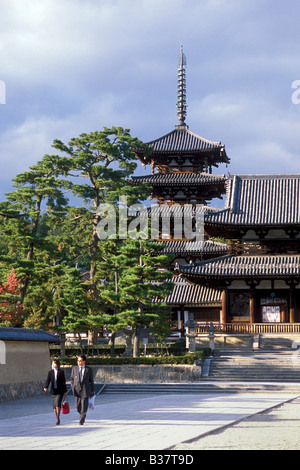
65 407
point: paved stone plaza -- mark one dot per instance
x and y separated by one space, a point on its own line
120 422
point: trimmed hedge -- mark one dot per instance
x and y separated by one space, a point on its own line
188 359
176 348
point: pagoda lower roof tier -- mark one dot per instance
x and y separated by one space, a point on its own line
180 179
186 247
246 267
182 141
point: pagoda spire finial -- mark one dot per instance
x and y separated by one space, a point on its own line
181 92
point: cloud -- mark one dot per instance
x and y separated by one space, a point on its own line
71 66
26 143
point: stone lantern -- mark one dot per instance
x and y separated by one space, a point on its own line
211 336
191 333
128 333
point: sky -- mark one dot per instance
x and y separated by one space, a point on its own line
74 66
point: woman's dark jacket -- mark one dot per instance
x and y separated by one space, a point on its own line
61 382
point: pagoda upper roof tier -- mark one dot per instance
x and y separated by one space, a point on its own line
245 267
179 179
182 141
259 201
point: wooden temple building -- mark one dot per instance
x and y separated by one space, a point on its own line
249 282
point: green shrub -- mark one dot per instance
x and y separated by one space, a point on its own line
176 348
185 359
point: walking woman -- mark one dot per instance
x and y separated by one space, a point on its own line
56 377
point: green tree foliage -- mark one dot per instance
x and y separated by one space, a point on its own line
23 246
49 240
99 166
144 280
134 276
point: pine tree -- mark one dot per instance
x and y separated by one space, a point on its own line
22 247
136 275
43 239
144 280
72 300
99 166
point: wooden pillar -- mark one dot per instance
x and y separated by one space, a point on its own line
292 303
224 315
181 321
252 305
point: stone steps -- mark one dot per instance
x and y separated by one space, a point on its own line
233 371
199 387
254 367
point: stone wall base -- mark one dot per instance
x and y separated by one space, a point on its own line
123 373
133 373
16 391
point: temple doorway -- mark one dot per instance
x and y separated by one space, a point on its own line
274 310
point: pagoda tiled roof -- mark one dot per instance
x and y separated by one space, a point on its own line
174 179
253 200
185 293
174 210
182 247
247 267
183 140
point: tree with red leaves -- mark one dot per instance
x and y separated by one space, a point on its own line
10 310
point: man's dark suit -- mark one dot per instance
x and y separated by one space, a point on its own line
82 389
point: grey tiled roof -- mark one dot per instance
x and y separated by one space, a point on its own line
259 200
179 247
173 179
185 293
260 266
24 334
183 140
175 210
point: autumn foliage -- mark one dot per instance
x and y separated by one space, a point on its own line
10 311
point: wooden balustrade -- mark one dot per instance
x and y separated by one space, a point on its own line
250 328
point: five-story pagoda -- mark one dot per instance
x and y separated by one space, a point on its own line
181 181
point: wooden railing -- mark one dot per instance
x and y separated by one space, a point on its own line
250 328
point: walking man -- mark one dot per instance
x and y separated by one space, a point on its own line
82 383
